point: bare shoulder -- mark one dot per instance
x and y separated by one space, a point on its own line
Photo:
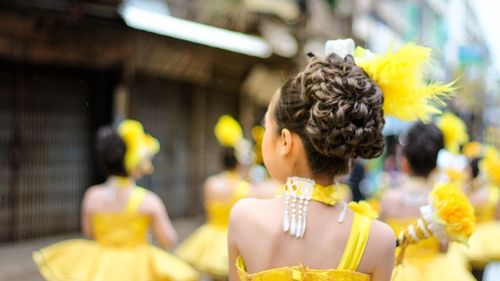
383 232
212 184
93 192
213 180
244 209
93 196
152 202
382 239
248 212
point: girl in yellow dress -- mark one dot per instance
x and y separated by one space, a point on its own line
316 123
206 248
425 260
484 193
117 215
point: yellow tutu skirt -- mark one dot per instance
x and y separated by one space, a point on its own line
425 263
440 267
484 245
206 249
86 260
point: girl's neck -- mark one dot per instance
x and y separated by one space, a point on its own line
121 182
324 180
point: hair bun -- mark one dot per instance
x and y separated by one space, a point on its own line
345 109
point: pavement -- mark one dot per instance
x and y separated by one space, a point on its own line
15 258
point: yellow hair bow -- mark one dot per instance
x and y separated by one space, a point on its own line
139 145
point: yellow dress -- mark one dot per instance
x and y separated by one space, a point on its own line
424 261
120 252
345 271
483 244
206 249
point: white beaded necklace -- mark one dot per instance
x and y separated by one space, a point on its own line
298 192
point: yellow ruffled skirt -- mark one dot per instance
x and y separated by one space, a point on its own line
206 250
440 267
86 260
484 245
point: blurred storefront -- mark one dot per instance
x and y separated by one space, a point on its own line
68 68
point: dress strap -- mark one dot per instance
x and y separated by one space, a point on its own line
493 195
241 190
135 199
360 231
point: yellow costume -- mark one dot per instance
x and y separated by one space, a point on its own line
349 262
120 252
346 270
483 247
206 249
424 261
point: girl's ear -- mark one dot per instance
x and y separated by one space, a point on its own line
285 142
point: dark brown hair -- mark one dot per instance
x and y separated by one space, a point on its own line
111 150
422 145
336 110
229 160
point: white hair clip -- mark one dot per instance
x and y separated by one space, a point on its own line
341 47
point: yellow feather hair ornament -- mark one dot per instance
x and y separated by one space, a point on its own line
401 76
472 149
454 132
139 144
228 131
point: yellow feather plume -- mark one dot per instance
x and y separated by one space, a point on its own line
454 132
139 145
401 76
228 131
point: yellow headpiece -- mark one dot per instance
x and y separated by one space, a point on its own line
490 165
454 132
139 144
228 131
258 136
401 76
472 149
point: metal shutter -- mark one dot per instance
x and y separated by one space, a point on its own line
164 110
6 89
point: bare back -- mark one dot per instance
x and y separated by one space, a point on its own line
221 187
260 240
405 201
106 198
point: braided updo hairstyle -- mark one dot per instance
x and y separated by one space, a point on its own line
336 110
